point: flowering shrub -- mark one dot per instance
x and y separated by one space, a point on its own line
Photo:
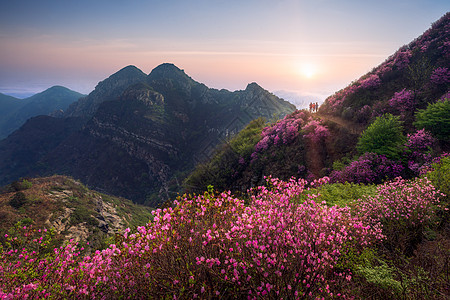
440 75
368 168
403 101
371 82
315 131
282 132
403 207
419 147
402 58
205 247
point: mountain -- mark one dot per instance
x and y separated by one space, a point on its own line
312 145
136 136
107 89
8 104
14 112
74 211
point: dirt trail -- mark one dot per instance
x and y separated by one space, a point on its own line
314 152
314 159
350 126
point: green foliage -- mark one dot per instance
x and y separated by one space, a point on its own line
243 144
436 119
343 194
440 177
21 185
384 137
82 214
18 200
382 276
221 170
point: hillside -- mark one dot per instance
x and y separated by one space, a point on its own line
414 76
74 211
415 80
15 112
136 136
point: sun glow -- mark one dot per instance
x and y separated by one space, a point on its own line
308 70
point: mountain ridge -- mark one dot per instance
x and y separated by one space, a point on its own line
53 100
137 135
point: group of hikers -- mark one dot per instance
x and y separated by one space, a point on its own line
313 107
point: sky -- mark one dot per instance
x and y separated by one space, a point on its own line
291 47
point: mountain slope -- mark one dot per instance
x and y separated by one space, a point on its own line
17 111
74 211
139 136
311 145
414 76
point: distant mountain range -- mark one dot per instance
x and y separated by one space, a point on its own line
14 112
136 135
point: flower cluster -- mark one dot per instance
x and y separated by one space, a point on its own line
315 131
400 199
419 147
371 82
282 132
440 75
369 168
403 101
402 207
402 58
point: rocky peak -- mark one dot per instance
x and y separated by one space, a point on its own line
143 93
253 87
171 72
108 89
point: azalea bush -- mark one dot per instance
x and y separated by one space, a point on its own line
419 150
403 101
404 208
315 131
368 168
283 131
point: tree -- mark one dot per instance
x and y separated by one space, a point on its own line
436 119
384 137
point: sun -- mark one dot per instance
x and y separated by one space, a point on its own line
308 70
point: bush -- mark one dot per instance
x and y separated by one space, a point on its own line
436 119
343 194
384 137
404 208
369 168
18 200
21 185
440 176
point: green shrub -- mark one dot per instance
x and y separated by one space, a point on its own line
436 119
384 137
440 176
21 185
18 200
343 194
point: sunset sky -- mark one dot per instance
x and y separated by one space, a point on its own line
310 47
